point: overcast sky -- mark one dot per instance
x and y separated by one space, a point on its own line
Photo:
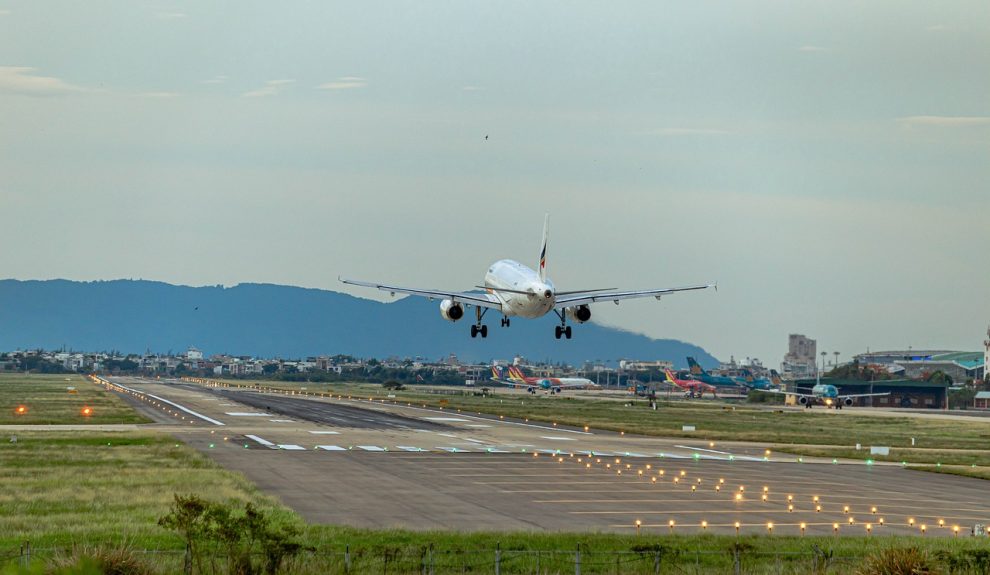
827 163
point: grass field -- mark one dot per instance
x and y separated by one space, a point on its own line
47 399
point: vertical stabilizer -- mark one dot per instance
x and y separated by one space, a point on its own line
696 368
543 250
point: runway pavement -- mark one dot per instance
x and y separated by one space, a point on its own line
380 464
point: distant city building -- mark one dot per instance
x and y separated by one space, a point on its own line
194 354
637 365
961 366
801 357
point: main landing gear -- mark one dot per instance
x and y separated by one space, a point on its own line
563 329
479 328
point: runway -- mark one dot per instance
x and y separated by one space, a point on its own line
374 464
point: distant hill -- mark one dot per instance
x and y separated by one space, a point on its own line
271 320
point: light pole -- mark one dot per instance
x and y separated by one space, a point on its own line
836 364
818 372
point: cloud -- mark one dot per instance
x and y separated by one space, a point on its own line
170 15
344 83
21 80
810 48
216 80
472 88
270 88
688 132
944 121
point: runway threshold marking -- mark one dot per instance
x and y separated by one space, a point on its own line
264 442
331 448
246 414
291 447
172 403
325 432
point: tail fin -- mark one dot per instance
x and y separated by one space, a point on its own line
515 374
543 250
670 376
496 372
696 369
774 377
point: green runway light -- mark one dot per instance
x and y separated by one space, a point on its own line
936 465
212 446
732 458
696 456
245 446
869 462
835 462
800 460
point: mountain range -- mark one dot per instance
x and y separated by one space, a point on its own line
265 320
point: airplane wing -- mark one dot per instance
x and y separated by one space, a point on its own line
863 395
581 298
478 299
794 393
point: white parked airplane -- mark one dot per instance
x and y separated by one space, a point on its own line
513 289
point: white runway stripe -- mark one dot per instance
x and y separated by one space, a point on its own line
264 442
331 448
291 447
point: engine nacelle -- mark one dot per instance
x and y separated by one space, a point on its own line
847 401
803 400
580 314
450 310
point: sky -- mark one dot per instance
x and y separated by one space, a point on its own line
826 163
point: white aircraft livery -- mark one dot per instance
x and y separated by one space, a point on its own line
513 289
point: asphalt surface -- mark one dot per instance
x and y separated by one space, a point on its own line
382 465
331 414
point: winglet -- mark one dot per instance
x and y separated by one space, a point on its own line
543 250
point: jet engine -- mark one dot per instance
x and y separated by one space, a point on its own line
580 314
450 310
847 401
803 400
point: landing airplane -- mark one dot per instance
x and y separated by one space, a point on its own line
827 395
513 289
750 381
551 384
691 387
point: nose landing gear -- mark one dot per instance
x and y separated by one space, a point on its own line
505 322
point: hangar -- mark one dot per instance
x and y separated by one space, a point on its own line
907 393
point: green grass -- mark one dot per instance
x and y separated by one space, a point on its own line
48 400
58 488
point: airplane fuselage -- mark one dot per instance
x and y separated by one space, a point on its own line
512 275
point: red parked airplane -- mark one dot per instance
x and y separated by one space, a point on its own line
691 387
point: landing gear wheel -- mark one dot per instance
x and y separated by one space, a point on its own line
505 322
474 331
557 331
484 331
567 332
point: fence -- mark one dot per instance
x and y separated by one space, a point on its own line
433 561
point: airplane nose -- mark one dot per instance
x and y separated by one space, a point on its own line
548 294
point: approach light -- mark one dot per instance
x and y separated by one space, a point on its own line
20 410
87 411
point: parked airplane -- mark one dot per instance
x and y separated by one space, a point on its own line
691 387
827 395
698 373
513 289
551 384
749 381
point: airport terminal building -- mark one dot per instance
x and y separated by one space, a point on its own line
906 393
